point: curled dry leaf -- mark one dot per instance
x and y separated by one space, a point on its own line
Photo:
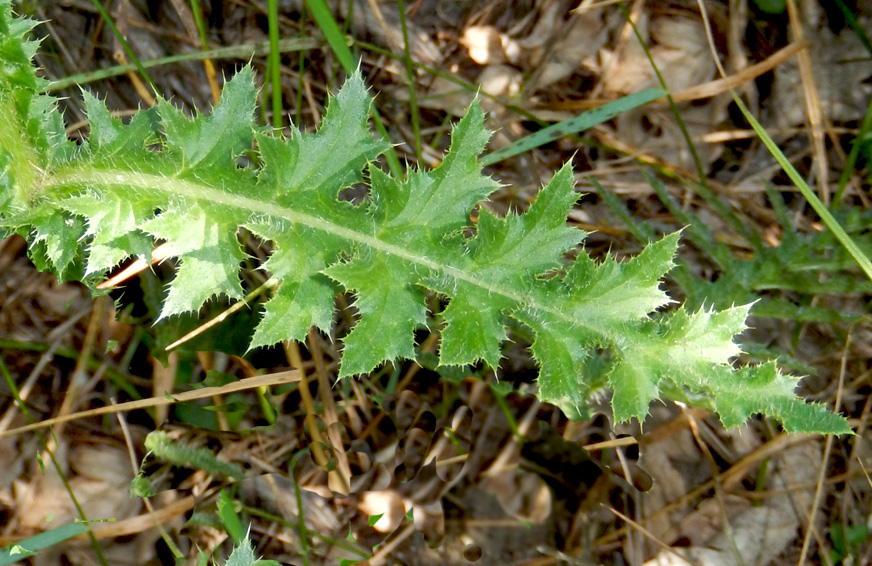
581 37
679 49
100 476
841 75
488 46
760 534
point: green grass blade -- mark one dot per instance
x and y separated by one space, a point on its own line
849 244
851 20
232 522
199 23
702 187
133 58
336 41
17 552
242 51
410 76
865 128
332 33
816 204
573 125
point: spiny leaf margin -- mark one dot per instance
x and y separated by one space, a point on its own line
190 191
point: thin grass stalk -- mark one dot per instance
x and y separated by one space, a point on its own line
243 51
410 77
275 63
702 187
337 43
13 388
127 49
847 242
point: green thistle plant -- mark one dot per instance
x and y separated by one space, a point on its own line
86 208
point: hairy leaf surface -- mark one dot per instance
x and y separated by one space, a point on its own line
199 183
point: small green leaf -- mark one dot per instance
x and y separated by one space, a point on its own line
181 454
243 554
111 140
704 337
432 204
305 295
511 252
60 234
331 159
231 520
212 143
475 329
140 486
112 227
763 389
612 293
560 350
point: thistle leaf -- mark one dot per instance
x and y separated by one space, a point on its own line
211 144
612 292
635 386
112 229
390 309
304 297
737 395
198 183
205 240
510 253
323 163
433 204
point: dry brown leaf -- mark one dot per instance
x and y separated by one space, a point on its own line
523 496
668 462
655 132
841 72
100 479
488 46
576 49
679 50
707 520
762 533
